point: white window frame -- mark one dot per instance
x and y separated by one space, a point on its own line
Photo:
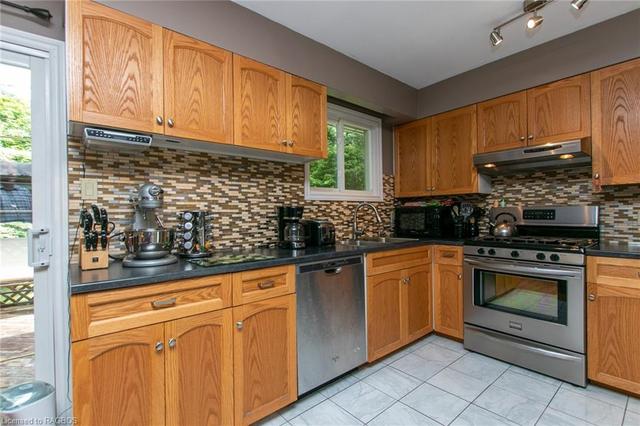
341 116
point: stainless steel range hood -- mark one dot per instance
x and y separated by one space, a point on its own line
573 153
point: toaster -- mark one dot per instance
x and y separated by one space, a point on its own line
318 232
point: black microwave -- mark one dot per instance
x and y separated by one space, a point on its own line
421 222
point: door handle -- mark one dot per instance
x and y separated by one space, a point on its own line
38 247
159 304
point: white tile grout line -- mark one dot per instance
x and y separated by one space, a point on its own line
626 409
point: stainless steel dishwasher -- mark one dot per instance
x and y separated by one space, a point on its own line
331 325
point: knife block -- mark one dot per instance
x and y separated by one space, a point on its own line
93 259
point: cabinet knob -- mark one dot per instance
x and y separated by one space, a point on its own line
592 297
159 346
459 276
263 285
596 175
159 120
290 143
522 138
408 280
530 137
239 325
284 142
172 342
170 122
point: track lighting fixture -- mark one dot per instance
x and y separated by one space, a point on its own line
495 37
528 7
534 21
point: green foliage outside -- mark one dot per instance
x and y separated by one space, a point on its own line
14 229
15 129
324 173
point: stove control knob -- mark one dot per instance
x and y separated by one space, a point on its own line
492 252
515 254
554 257
541 256
480 251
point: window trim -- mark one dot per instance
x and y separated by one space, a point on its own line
373 125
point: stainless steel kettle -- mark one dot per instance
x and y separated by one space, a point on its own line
504 228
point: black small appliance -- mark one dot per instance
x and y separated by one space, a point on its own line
290 230
421 222
319 232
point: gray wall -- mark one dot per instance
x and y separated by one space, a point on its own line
242 31
20 20
603 44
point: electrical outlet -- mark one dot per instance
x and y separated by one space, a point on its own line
89 189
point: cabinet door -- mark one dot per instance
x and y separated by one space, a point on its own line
413 156
259 105
615 106
199 369
118 379
502 123
559 111
306 117
265 369
613 343
385 322
198 90
453 135
448 300
417 300
114 68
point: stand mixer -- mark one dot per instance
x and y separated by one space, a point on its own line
148 242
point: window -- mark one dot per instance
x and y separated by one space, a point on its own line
353 169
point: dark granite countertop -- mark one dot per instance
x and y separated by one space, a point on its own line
116 276
612 249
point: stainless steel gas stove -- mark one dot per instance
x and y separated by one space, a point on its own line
524 295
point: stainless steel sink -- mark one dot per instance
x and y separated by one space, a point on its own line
377 241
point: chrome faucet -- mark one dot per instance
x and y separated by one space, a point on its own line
357 233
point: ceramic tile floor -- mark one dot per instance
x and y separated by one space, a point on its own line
435 381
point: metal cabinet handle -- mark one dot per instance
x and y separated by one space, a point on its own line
459 277
284 142
522 138
159 120
290 143
448 254
596 175
159 304
170 122
266 284
592 297
239 325
408 280
530 137
159 346
172 342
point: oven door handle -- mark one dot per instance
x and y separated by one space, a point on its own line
525 269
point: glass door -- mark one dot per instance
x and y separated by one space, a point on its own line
26 335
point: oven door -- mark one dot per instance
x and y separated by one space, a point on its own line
539 302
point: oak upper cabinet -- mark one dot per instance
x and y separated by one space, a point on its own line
265 367
306 117
447 291
613 309
417 284
198 89
559 111
199 369
259 105
502 123
453 135
413 155
385 314
615 108
115 68
118 379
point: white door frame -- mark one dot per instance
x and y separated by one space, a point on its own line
52 302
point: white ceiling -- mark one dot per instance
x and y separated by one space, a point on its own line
423 42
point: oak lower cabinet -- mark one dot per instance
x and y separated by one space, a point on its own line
398 299
178 372
613 309
447 291
265 367
615 109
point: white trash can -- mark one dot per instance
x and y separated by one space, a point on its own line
33 401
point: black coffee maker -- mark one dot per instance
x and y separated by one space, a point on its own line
290 230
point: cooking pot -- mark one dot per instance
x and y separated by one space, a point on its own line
504 228
151 243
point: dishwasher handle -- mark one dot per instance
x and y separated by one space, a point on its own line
332 266
333 271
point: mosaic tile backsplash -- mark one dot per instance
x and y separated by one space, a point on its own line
242 193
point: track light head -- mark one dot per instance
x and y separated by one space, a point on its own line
577 4
495 37
534 21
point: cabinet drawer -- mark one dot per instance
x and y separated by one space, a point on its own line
104 312
613 271
448 255
261 284
393 260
